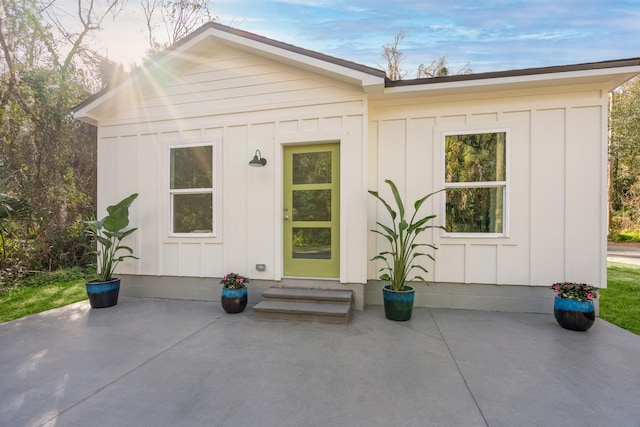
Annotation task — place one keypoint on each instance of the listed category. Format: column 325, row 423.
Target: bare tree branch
column 393, row 57
column 176, row 19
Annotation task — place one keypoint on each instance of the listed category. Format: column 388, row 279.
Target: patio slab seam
column 453, row 358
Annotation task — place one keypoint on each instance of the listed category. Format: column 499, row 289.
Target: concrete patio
column 152, row 362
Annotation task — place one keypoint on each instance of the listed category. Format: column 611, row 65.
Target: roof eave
column 611, row 73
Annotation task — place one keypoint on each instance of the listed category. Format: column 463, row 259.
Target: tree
column 439, row 68
column 394, row 57
column 624, row 157
column 47, row 158
column 176, row 18
column 11, row 209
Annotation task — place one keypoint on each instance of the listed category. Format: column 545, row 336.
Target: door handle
column 286, row 217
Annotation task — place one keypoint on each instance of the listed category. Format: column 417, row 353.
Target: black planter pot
column 103, row 294
column 574, row 315
column 398, row 305
column 234, row 300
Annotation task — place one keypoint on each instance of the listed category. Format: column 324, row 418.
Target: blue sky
column 489, row 35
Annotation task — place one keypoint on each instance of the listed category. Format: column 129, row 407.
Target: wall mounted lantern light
column 258, row 160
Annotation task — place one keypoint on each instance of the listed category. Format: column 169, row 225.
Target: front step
column 311, row 305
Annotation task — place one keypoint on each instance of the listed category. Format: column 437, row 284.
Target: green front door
column 311, row 211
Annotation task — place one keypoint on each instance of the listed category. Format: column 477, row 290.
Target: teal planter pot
column 574, row 315
column 234, row 300
column 398, row 305
column 103, row 294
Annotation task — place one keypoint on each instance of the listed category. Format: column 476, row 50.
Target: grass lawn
column 27, row 300
column 620, row 302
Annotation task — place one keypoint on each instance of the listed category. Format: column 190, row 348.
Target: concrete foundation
column 507, row 298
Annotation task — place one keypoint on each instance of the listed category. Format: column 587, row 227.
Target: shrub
column 48, row 278
column 626, row 236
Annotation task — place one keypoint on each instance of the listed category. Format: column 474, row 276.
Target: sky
column 489, row 35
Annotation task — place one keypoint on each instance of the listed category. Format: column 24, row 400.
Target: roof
column 281, row 45
column 603, row 65
column 606, row 75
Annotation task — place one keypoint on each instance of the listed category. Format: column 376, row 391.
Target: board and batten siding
column 240, row 103
column 556, row 212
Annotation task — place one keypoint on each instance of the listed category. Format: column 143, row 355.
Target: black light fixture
column 258, row 160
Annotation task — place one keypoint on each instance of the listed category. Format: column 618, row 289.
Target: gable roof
column 372, row 80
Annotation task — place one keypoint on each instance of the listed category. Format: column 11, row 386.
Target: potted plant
column 234, row 293
column 108, row 234
column 401, row 259
column 573, row 305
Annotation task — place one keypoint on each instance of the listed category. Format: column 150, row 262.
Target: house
column 522, row 156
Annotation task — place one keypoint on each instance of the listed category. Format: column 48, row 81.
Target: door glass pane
column 192, row 213
column 312, row 168
column 312, row 243
column 312, row 205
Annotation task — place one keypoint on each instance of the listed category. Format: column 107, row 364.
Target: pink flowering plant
column 575, row 291
column 234, row 281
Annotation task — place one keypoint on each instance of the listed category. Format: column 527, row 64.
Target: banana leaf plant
column 108, row 234
column 402, row 257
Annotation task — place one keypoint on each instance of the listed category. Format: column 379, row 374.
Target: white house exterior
column 221, row 94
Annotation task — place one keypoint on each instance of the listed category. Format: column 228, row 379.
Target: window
column 475, row 183
column 191, row 190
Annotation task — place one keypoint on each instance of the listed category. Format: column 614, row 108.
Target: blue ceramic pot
column 574, row 315
column 103, row 294
column 234, row 300
column 398, row 305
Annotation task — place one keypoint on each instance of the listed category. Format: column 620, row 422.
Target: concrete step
column 309, row 295
column 311, row 305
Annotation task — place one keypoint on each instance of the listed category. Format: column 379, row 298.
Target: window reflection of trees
column 312, row 168
column 313, row 243
column 191, row 167
column 475, row 158
column 312, row 205
column 191, row 171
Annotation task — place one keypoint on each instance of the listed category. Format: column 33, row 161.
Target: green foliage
column 108, row 233
column 49, row 278
column 46, row 158
column 403, row 255
column 620, row 302
column 625, row 236
column 12, row 210
column 624, row 157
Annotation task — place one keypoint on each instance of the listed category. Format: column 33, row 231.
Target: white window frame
column 211, row 190
column 483, row 184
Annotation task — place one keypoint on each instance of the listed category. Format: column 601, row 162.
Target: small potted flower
column 234, row 293
column 573, row 306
